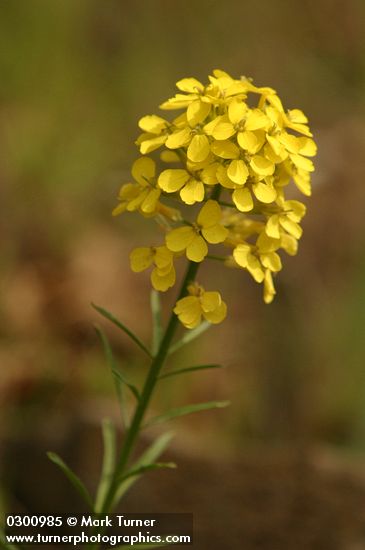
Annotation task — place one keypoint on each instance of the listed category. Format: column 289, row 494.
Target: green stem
column 148, row 388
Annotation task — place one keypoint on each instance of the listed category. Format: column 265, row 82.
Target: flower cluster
column 234, row 150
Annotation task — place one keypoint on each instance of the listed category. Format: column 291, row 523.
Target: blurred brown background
column 76, row 77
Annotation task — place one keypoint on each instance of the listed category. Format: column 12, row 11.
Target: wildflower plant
column 218, row 179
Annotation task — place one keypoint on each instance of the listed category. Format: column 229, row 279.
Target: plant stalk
column 148, row 388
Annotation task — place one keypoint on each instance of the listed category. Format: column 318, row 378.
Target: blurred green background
column 75, row 78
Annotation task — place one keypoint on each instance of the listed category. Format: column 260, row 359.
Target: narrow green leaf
column 189, row 336
column 119, row 386
column 120, row 376
column 150, row 455
column 188, row 369
column 122, row 327
column 73, row 478
column 188, row 409
column 107, row 470
column 147, row 467
column 156, row 320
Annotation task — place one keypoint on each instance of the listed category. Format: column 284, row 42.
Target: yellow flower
column 193, row 238
column 198, row 304
column 155, row 133
column 191, row 189
column 163, row 275
column 287, row 220
column 144, row 194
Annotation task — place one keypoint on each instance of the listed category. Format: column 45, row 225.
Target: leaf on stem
column 107, row 470
column 119, row 379
column 147, row 467
column 120, row 376
column 156, row 321
column 122, row 327
column 188, row 369
column 150, row 455
column 72, row 477
column 188, row 409
column 189, row 336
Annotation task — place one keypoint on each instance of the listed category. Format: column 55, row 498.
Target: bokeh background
column 75, row 79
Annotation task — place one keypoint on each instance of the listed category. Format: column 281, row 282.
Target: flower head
column 234, row 149
column 198, row 304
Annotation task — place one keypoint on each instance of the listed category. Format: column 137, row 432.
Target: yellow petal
column 291, row 227
column 241, row 253
column 188, row 310
column 302, row 181
column 296, row 115
column 197, row 112
column 197, row 249
column 169, row 156
column 190, row 85
column 256, row 120
column 243, row 199
column 198, row 149
column 136, row 202
column 223, row 178
column 163, row 282
column 153, row 124
column 177, row 139
column 129, row 191
column 268, row 244
column 209, row 128
column 192, row 192
column 269, row 289
column 302, row 162
column 173, row 179
column 223, row 130
column 300, row 128
column 275, row 102
column 289, row 244
column 141, row 258
column 295, row 210
column 150, row 202
column 218, row 315
column 210, row 301
column 209, row 174
column 236, row 88
column 236, row 111
column 143, row 169
column 290, row 142
column 271, row 260
column 262, row 166
column 238, row 172
column 180, row 121
column 119, row 209
column 307, row 147
column 163, row 257
column 179, row 101
column 178, row 239
column 254, row 267
column 264, row 193
column 272, row 228
column 210, row 214
column 250, row 141
column 225, row 149
column 215, row 234
column 149, row 145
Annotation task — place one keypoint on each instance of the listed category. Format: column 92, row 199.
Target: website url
column 112, row 540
